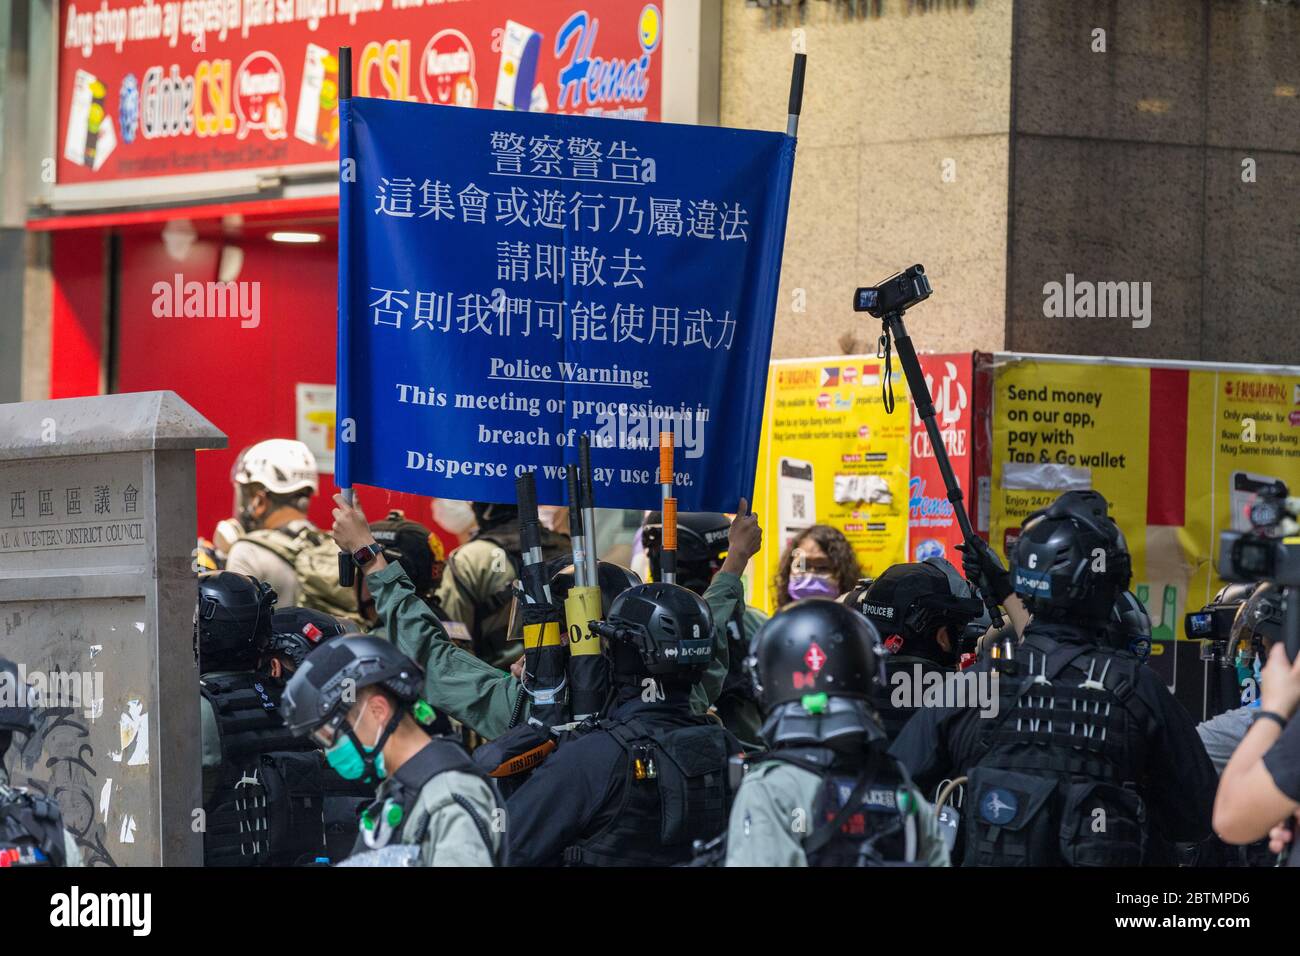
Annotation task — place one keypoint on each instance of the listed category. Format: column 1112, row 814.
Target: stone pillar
column 97, row 520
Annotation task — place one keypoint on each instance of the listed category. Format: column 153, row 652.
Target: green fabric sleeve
column 455, row 681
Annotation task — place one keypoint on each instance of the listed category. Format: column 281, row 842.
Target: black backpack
column 675, row 793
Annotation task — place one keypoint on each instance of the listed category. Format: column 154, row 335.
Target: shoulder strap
column 281, row 542
column 819, row 838
column 813, row 759
column 440, row 756
column 824, row 834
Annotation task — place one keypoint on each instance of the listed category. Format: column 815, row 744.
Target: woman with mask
column 819, row 563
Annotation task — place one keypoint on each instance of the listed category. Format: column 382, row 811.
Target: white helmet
column 280, row 465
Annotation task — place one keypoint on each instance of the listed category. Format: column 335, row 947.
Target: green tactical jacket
column 483, row 697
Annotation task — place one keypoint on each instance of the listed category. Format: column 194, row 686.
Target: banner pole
column 347, row 567
column 796, row 94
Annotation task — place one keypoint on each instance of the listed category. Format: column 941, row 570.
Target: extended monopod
column 887, row 302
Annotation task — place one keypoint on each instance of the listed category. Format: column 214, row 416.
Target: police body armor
column 491, row 630
column 864, row 816
column 382, row 820
column 31, row 830
column 676, row 776
column 1057, row 781
column 893, row 717
column 277, row 803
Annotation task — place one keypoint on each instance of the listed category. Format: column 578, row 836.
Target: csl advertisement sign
column 152, row 88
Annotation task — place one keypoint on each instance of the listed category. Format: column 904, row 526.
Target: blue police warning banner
column 509, row 281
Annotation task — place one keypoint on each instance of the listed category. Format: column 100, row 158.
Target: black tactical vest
column 491, row 628
column 1057, row 782
column 673, row 793
column 31, row 830
column 865, row 814
column 893, row 717
column 277, row 803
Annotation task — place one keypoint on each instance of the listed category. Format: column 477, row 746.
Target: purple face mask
column 812, row 585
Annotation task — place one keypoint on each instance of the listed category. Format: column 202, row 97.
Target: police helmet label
column 1033, row 582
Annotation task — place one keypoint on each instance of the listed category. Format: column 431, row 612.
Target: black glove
column 984, row 569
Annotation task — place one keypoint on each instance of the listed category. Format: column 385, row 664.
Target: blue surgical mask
column 812, row 585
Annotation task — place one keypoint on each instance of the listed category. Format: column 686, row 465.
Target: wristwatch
column 363, row 556
column 1270, row 715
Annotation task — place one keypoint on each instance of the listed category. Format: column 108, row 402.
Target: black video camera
column 1262, row 554
column 895, row 295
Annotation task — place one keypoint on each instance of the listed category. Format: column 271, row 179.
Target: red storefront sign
column 932, row 525
column 160, row 88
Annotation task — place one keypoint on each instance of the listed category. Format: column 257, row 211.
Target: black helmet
column 232, row 620
column 815, row 664
column 489, row 515
column 613, row 578
column 815, row 646
column 413, row 546
column 908, row 603
column 1070, row 561
column 325, row 687
column 1130, row 626
column 295, row 631
column 17, row 701
column 701, row 546
column 661, row 630
column 1260, row 617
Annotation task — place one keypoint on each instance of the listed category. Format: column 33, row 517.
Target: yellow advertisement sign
column 830, row 454
column 1179, row 453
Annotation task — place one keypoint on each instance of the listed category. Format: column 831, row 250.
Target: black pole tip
column 345, row 72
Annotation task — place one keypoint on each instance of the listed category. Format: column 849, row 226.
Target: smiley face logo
column 447, row 70
column 649, row 28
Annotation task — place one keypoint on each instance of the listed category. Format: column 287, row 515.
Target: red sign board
column 170, row 87
column 932, row 526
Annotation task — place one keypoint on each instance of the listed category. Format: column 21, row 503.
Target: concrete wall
column 888, row 100
column 1127, row 166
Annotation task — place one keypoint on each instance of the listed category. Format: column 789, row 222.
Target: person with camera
column 1260, row 785
column 1082, row 732
column 1252, row 615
